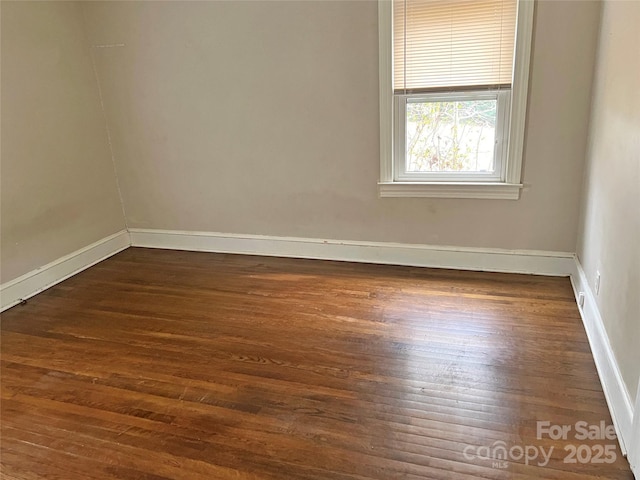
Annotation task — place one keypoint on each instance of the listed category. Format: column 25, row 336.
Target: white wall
column 58, row 185
column 609, row 238
column 262, row 118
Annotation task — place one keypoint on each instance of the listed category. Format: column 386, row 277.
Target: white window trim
column 507, row 189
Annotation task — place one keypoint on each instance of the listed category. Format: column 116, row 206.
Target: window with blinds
column 453, row 96
column 453, row 45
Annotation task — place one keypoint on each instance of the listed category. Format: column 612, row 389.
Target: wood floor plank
column 181, row 365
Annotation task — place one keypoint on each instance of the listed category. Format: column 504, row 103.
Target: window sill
column 500, row 191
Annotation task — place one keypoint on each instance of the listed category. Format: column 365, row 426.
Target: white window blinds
column 445, row 45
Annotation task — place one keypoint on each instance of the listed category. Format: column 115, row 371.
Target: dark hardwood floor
column 180, row 365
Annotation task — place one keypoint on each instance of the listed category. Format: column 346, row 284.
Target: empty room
column 320, row 239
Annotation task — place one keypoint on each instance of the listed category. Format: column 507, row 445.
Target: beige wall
column 609, row 239
column 262, row 117
column 58, row 186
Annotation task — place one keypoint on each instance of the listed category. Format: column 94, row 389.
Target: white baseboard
column 34, row 282
column 634, row 446
column 615, row 390
column 493, row 260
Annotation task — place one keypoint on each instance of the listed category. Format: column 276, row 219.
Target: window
column 453, row 89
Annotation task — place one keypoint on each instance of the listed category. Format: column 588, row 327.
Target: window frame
column 508, row 185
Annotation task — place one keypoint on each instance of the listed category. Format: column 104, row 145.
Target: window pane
column 454, row 136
